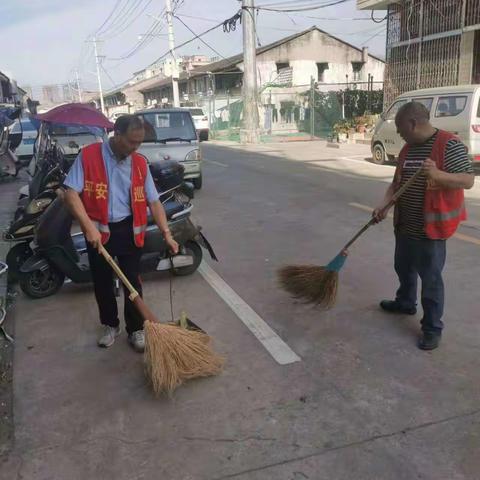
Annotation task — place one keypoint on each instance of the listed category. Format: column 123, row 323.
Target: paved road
column 361, row 403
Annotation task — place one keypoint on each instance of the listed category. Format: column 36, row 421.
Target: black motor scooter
column 58, row 255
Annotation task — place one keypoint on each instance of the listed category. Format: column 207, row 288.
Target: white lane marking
column 215, row 163
column 457, row 235
column 277, row 348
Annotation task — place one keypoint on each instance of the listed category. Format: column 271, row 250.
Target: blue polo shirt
column 119, row 174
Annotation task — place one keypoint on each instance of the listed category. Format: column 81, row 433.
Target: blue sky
column 46, row 38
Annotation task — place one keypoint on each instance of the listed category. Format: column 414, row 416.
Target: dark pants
column 120, row 245
column 424, row 258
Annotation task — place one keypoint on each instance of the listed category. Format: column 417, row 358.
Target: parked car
column 455, row 109
column 201, row 122
column 29, row 133
column 170, row 135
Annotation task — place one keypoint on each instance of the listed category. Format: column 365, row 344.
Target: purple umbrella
column 75, row 114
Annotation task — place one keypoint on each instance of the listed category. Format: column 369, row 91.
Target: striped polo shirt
column 410, row 205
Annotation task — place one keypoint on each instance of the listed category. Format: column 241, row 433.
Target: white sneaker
column 108, row 335
column 137, row 340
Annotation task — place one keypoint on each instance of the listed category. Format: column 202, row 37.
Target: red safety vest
column 95, row 192
column 444, row 208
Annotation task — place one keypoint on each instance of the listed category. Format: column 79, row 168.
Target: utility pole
column 312, row 108
column 250, row 100
column 97, row 62
column 171, row 45
column 79, row 90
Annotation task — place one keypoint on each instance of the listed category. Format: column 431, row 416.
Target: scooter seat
column 171, row 208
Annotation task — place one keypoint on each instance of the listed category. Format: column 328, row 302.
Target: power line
column 127, row 20
column 286, row 29
column 191, row 40
column 148, row 38
column 301, row 9
column 119, row 11
column 117, row 3
column 201, row 39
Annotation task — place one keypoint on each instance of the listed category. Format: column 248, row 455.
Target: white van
column 455, row 109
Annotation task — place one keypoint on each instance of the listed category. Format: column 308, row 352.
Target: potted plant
column 361, row 124
column 341, row 129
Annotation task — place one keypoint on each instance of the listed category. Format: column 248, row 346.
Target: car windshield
column 196, row 111
column 168, row 126
column 67, row 130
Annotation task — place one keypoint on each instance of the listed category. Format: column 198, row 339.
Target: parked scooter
column 58, row 255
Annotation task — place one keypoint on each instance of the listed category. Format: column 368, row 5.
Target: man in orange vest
column 109, row 188
column 426, row 215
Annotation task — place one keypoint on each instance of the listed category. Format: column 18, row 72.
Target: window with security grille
column 321, row 67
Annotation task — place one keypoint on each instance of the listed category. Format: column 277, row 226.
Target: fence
column 311, row 111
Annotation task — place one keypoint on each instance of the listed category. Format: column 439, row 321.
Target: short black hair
column 127, row 122
column 414, row 111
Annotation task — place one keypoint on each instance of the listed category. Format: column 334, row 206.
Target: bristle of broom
column 311, row 283
column 174, row 355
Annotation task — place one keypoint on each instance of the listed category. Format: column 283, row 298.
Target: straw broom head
column 174, row 355
column 314, row 284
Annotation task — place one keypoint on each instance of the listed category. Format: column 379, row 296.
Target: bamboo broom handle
column 395, row 197
column 118, row 271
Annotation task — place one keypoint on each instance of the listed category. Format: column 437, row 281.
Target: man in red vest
column 426, row 215
column 109, row 189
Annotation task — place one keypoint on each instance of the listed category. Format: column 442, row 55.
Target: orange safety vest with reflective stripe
column 444, row 208
column 95, row 192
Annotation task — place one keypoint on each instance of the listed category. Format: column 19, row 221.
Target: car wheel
column 195, row 250
column 41, row 284
column 197, row 182
column 378, row 154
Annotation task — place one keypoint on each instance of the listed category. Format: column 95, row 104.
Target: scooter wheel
column 41, row 284
column 195, row 250
column 16, row 257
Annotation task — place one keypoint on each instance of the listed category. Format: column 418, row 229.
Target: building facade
column 430, row 43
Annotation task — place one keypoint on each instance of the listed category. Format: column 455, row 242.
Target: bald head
column 413, row 123
column 413, row 111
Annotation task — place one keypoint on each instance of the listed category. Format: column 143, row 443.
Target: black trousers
column 122, row 246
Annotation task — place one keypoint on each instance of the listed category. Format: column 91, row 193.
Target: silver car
column 170, row 135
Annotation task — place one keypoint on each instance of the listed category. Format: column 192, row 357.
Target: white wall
column 306, row 51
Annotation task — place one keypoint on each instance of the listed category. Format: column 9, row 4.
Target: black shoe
column 394, row 307
column 429, row 341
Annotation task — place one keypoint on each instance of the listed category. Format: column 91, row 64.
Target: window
column 357, row 71
column 392, row 111
column 282, row 65
column 426, row 102
column 450, row 106
column 321, row 67
column 161, row 126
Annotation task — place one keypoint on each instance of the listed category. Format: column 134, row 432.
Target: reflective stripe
column 101, row 227
column 139, row 229
column 444, row 216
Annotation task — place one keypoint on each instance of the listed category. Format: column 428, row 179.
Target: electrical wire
column 127, row 21
column 298, row 9
column 148, row 38
column 168, row 52
column 201, row 39
column 120, row 12
column 117, row 3
column 378, row 21
column 382, row 30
